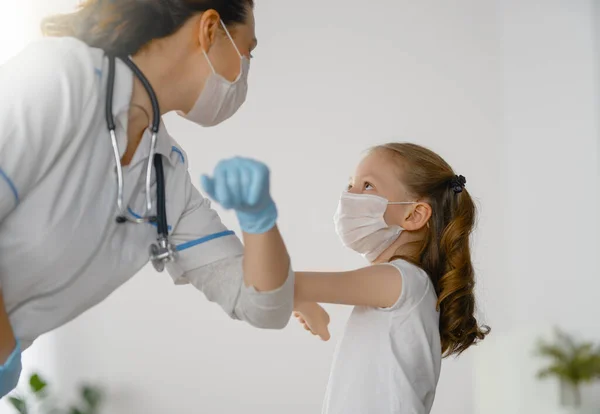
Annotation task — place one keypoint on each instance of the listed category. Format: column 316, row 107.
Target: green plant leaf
column 571, row 361
column 75, row 410
column 19, row 404
column 553, row 370
column 92, row 396
column 37, row 384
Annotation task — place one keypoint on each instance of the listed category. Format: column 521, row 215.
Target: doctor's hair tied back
column 457, row 183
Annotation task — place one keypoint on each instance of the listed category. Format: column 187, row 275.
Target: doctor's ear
column 418, row 218
column 209, row 24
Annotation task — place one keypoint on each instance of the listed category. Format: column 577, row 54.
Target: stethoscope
column 162, row 251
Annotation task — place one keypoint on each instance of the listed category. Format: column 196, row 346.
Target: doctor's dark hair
column 445, row 252
column 123, row 27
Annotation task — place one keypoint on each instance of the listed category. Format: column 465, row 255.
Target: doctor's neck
column 163, row 62
column 140, row 108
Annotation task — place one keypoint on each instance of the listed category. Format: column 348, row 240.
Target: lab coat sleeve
column 222, row 282
column 44, row 93
column 212, row 262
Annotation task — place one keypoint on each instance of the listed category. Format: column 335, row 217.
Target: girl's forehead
column 385, row 172
column 379, row 165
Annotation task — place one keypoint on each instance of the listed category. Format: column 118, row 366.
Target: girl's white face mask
column 220, row 98
column 360, row 224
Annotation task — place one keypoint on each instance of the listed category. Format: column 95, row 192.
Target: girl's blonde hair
column 444, row 253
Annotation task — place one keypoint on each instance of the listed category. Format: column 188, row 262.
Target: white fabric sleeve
column 415, row 284
column 44, row 91
column 223, row 282
column 210, row 258
column 200, row 235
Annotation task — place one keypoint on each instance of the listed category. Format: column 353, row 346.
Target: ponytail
column 123, row 27
column 455, row 288
column 445, row 252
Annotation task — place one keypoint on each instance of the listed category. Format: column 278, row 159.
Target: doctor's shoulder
column 53, row 61
column 50, row 84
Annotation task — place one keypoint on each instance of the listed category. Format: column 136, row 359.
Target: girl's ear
column 417, row 217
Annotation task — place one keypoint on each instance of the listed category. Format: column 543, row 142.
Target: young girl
column 409, row 214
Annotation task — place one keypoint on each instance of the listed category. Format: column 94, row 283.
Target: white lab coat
column 61, row 250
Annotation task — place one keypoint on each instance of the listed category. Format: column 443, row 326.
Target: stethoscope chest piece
column 161, row 253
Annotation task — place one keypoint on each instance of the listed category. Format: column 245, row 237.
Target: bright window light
column 20, row 22
column 15, row 28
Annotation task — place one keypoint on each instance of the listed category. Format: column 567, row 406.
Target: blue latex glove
column 243, row 185
column 10, row 371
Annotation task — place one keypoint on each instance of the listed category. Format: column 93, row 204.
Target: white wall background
column 551, row 134
column 507, row 91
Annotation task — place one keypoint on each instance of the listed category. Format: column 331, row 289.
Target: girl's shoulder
column 410, row 269
column 416, row 285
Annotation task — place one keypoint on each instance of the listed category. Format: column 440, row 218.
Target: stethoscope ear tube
column 110, row 88
column 148, row 87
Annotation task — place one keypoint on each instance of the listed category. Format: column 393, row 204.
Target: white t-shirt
column 61, row 250
column 388, row 361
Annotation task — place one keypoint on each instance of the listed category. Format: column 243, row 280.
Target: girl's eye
column 369, row 186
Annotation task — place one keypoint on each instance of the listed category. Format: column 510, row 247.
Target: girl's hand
column 313, row 318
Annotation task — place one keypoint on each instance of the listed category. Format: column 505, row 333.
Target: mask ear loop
column 232, row 42
column 231, row 38
column 209, row 62
column 397, row 203
column 402, row 203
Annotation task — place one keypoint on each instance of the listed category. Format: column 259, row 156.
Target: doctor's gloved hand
column 243, row 185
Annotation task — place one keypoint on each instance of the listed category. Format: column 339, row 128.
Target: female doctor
column 92, row 187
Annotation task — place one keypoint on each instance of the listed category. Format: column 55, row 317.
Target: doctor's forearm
column 266, row 260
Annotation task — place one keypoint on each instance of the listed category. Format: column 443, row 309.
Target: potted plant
column 572, row 363
column 39, row 401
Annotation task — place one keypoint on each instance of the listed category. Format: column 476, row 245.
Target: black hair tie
column 457, row 183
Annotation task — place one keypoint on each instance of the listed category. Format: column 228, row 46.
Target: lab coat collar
column 163, row 146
